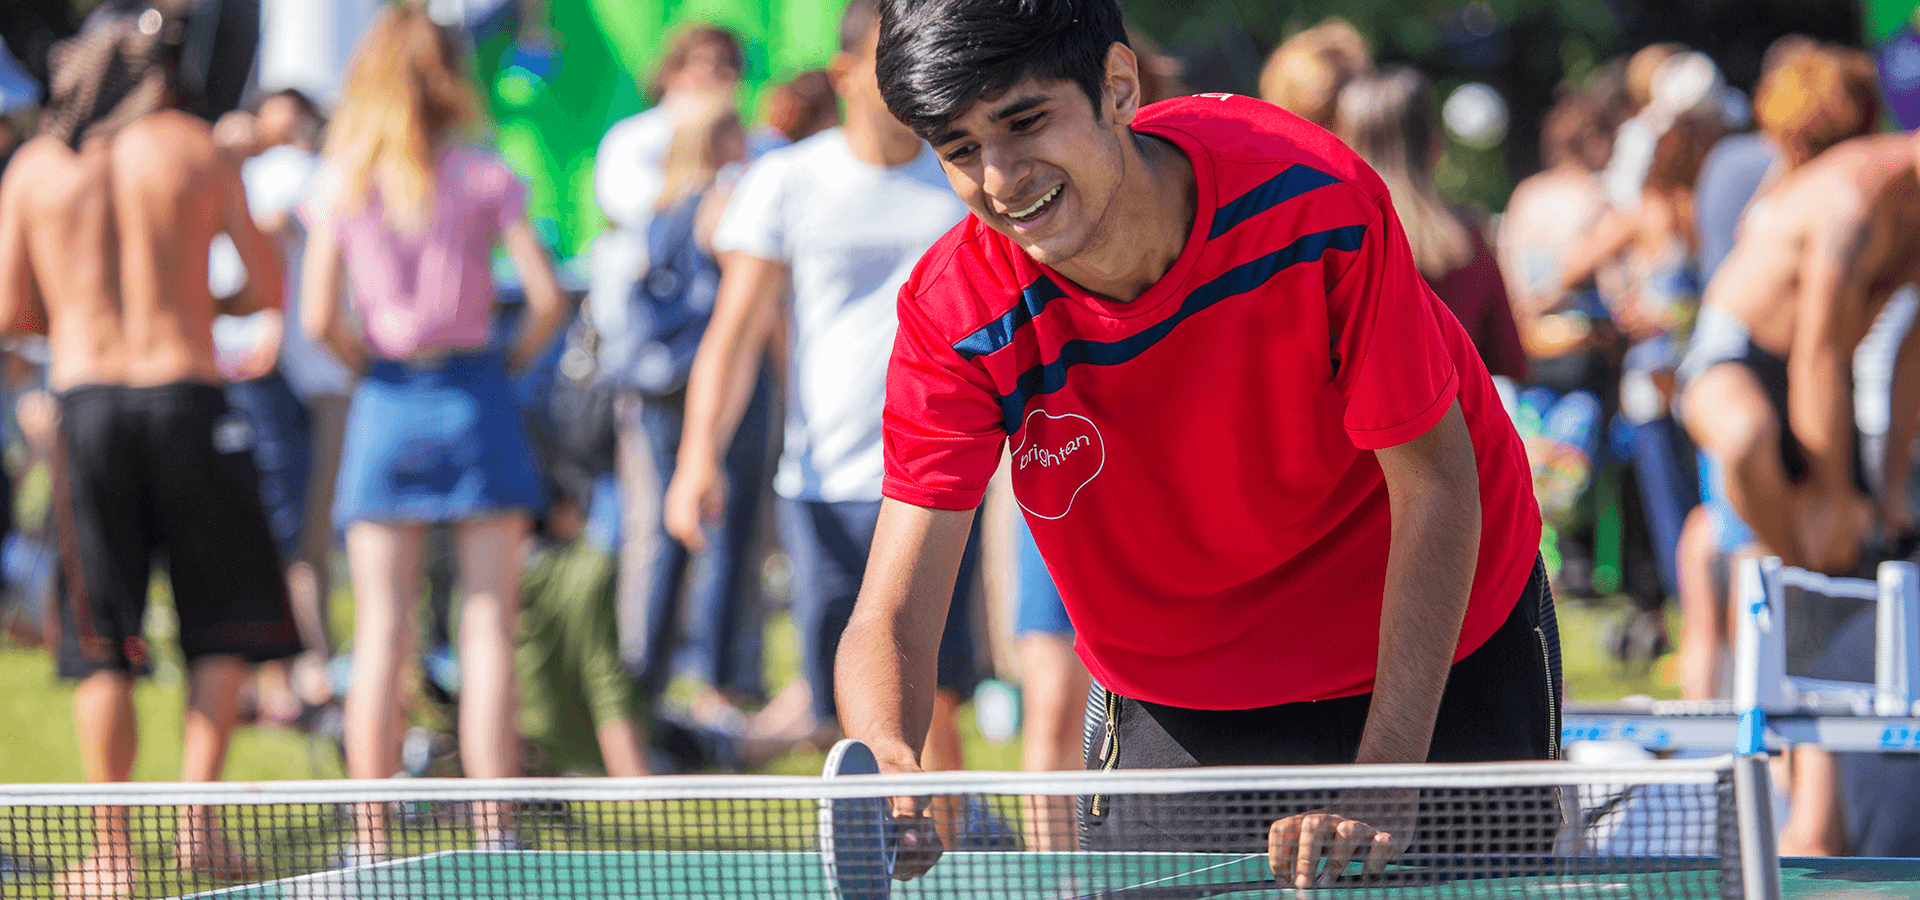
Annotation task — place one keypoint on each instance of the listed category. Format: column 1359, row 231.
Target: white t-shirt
column 850, row 233
column 627, row 167
column 277, row 181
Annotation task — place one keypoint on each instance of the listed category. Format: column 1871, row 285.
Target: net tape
column 1657, row 829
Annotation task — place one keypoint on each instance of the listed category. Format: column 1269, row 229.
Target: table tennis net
column 1652, row 830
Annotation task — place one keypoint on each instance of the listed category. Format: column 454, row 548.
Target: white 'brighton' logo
column 1058, row 456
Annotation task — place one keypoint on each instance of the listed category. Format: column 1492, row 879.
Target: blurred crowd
column 569, row 497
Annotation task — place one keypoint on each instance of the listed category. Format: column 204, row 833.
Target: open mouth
column 1038, row 208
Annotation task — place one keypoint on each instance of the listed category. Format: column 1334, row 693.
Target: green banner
column 1884, row 17
column 550, row 122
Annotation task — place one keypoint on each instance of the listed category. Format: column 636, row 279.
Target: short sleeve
column 754, row 222
column 627, row 164
column 942, row 427
column 1393, row 365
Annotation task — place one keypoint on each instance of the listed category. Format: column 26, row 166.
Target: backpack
column 668, row 306
column 580, row 405
column 648, row 346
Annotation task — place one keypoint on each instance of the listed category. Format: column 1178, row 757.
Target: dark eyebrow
column 1015, row 108
column 946, row 137
column 1024, row 104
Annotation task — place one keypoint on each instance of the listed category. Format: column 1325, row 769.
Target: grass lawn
column 37, row 742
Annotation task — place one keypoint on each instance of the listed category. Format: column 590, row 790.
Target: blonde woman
column 648, row 341
column 412, row 212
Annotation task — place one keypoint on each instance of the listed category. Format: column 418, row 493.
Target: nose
column 1005, row 173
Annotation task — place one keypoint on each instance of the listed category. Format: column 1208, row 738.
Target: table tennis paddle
column 857, row 841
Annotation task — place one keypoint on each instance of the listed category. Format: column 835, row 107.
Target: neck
column 1146, row 226
column 877, row 140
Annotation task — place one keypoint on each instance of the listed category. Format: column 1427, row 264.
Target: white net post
column 1759, row 651
column 1753, row 804
column 1896, row 637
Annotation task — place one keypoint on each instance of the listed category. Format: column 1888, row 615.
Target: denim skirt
column 435, row 441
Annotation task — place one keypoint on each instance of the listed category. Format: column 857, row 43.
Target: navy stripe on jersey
column 1049, row 377
column 994, row 336
column 997, row 334
column 1297, row 179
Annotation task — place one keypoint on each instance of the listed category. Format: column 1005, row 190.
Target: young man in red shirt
column 1288, row 515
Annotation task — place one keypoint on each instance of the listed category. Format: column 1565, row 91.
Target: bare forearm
column 721, row 380
column 546, row 306
column 1607, row 239
column 1430, row 566
column 882, row 701
column 1820, row 413
column 546, row 309
column 884, row 674
column 246, row 301
column 742, row 378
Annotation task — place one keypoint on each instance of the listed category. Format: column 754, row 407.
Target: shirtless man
column 1768, row 379
column 105, row 221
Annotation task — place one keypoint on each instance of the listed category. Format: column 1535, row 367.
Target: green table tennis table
column 683, row 875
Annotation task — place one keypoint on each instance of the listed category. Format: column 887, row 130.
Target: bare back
column 116, row 239
column 1849, row 212
column 1547, row 217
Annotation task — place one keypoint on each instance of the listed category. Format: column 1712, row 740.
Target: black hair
column 937, row 57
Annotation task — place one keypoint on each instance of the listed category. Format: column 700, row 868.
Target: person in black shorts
column 105, row 221
column 1766, row 388
column 144, row 471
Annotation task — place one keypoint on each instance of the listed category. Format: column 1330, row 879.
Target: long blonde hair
column 406, row 91
column 706, row 139
column 1388, row 118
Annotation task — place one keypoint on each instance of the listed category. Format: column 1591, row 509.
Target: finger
column 1379, row 852
column 1315, row 831
column 1349, row 836
column 1282, row 839
column 904, row 808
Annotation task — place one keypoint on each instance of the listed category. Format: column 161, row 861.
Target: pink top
column 434, row 290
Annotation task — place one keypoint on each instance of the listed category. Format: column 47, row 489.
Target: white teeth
column 1037, row 204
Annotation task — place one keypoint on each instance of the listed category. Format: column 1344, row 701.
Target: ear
column 1122, row 93
column 837, row 70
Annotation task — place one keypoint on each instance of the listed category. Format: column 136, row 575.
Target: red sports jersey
column 1196, row 464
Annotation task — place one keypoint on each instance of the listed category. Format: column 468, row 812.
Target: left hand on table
column 1371, row 827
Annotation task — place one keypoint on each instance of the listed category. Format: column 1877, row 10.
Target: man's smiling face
column 1040, row 164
